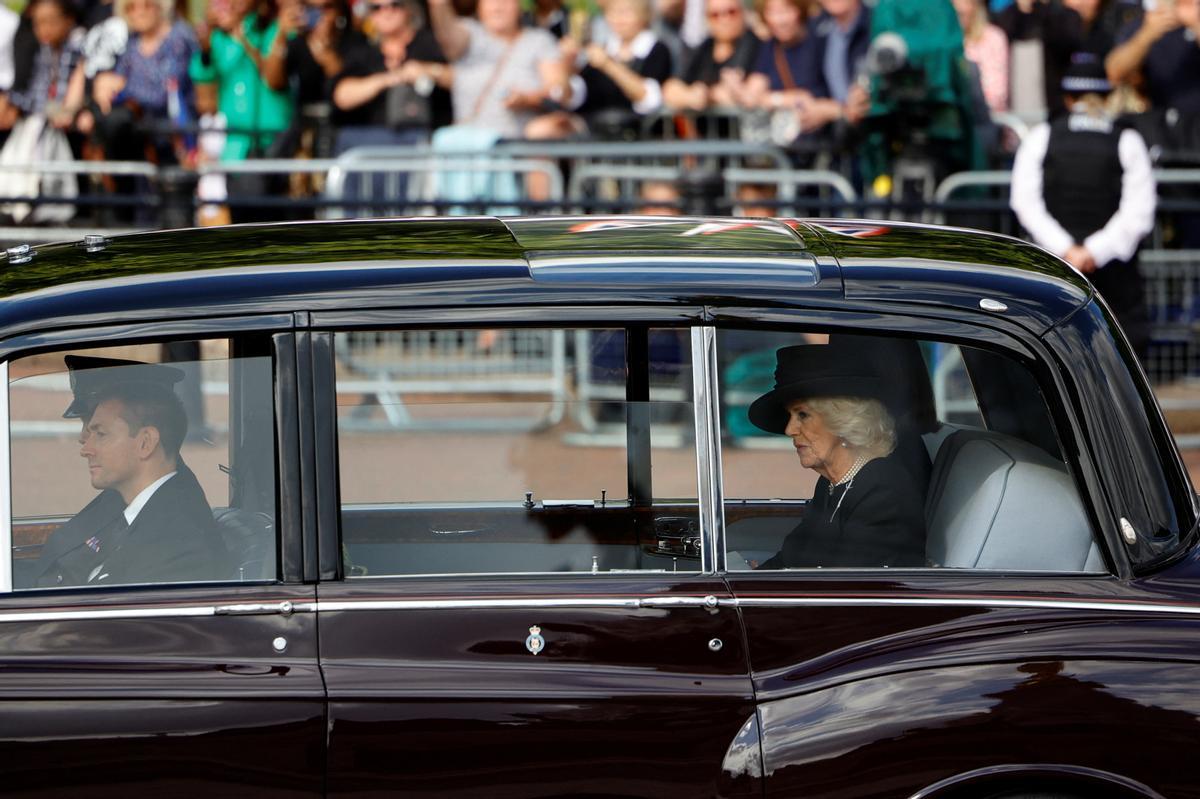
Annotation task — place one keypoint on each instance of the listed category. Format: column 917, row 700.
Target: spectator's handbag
column 34, row 140
column 780, row 126
column 407, row 108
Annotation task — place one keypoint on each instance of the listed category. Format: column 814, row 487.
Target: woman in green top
column 236, row 46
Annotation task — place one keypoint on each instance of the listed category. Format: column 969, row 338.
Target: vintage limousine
column 489, row 509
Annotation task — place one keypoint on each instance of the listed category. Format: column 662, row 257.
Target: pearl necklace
column 848, row 477
column 847, row 481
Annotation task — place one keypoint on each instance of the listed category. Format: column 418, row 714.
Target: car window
column 516, row 450
column 150, row 463
column 875, row 451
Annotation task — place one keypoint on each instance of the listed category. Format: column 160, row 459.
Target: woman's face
column 143, row 16
column 783, row 20
column 499, row 16
column 726, row 22
column 625, row 18
column 389, row 16
column 816, row 445
column 50, row 25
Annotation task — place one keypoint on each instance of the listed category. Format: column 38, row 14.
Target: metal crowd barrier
column 792, row 183
column 687, row 153
column 1172, row 282
column 1002, row 179
column 716, row 124
column 399, row 180
column 600, row 377
column 600, row 187
column 389, row 366
column 68, row 200
column 593, row 186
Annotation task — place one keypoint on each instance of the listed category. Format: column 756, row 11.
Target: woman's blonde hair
column 167, row 6
column 864, row 424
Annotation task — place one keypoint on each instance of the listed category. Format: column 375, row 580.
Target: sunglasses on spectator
column 384, row 6
column 717, row 13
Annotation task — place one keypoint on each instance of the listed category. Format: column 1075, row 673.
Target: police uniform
column 1084, row 180
column 172, row 538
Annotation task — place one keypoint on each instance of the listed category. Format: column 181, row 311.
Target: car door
column 524, row 605
column 1015, row 661
column 209, row 687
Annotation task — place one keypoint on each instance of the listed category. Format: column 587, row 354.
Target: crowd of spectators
column 159, row 81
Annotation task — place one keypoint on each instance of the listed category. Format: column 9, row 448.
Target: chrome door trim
column 708, row 602
column 966, row 602
column 523, row 603
column 177, row 612
column 5, row 487
column 708, row 449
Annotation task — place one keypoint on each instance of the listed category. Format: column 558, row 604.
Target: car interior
column 991, row 471
column 230, row 447
column 999, row 495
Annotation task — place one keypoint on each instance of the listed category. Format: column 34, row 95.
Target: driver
column 151, row 521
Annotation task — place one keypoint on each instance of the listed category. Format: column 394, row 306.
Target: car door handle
column 283, row 608
column 708, row 603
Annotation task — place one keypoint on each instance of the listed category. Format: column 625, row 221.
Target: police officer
column 1082, row 187
column 150, row 522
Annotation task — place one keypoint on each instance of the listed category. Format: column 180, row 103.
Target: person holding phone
column 1161, row 53
column 321, row 36
column 240, row 43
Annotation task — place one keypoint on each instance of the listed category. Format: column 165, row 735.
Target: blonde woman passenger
column 867, row 509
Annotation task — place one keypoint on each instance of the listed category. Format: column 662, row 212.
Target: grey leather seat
column 996, row 502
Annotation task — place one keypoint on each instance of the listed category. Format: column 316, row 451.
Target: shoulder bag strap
column 491, row 83
column 782, row 67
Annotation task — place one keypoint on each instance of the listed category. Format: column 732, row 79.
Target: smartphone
column 312, row 16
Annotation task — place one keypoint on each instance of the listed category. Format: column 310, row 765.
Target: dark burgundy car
column 490, row 517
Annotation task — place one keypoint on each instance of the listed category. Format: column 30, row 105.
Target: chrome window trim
column 628, row 602
column 624, row 574
column 633, row 602
column 6, row 541
column 708, row 449
column 966, row 602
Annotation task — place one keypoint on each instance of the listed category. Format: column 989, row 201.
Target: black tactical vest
column 1081, row 186
column 1081, row 176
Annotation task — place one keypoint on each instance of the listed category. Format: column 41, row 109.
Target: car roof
column 593, row 259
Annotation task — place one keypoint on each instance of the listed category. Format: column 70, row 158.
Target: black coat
column 880, row 522
column 173, row 539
